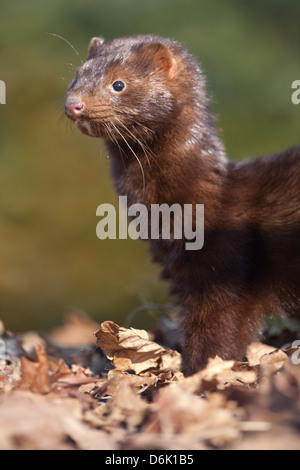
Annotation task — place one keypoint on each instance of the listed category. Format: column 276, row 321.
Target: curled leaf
column 132, row 349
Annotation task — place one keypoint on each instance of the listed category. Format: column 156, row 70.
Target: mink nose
column 74, row 107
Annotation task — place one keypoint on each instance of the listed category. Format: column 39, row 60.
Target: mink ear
column 162, row 57
column 94, row 46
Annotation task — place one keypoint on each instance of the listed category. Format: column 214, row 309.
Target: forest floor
column 87, row 387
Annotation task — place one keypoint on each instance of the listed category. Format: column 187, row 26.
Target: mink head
column 130, row 86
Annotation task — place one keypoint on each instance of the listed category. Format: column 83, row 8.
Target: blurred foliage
column 52, row 178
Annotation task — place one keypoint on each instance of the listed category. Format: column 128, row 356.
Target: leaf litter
column 115, row 388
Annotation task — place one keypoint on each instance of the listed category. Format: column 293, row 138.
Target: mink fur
column 249, row 266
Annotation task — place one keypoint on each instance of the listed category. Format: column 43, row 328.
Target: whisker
column 61, row 117
column 140, row 124
column 72, row 66
column 137, row 140
column 150, row 153
column 68, row 123
column 71, row 127
column 133, row 152
column 64, row 79
column 92, row 117
column 154, row 156
column 60, row 110
column 115, row 141
column 68, row 42
column 123, row 113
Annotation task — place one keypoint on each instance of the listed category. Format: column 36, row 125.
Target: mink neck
column 182, row 163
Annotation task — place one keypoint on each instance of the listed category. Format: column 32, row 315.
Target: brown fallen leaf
column 126, row 407
column 280, row 388
column 218, row 375
column 33, row 422
column 132, row 349
column 256, row 350
column 116, row 377
column 35, row 375
column 74, row 378
column 273, row 361
column 149, row 405
column 50, row 374
column 177, row 411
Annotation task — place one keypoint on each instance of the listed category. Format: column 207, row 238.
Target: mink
column 146, row 97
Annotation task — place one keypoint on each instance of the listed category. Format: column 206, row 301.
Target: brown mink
column 146, row 96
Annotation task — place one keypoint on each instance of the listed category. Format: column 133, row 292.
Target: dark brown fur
column 250, row 263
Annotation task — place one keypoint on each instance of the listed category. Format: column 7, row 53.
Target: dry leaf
column 256, row 350
column 273, row 361
column 126, row 407
column 218, row 375
column 132, row 349
column 178, row 411
column 156, row 407
column 32, row 422
column 115, row 375
column 48, row 374
column 35, row 375
column 75, row 378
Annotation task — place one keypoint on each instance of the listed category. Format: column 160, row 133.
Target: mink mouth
column 90, row 128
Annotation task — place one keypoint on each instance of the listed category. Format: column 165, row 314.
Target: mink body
column 160, row 120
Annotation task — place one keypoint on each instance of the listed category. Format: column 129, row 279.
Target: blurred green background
column 52, row 178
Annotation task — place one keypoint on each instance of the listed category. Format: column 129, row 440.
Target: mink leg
column 214, row 330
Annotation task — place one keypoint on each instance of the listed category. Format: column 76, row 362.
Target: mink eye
column 118, row 85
